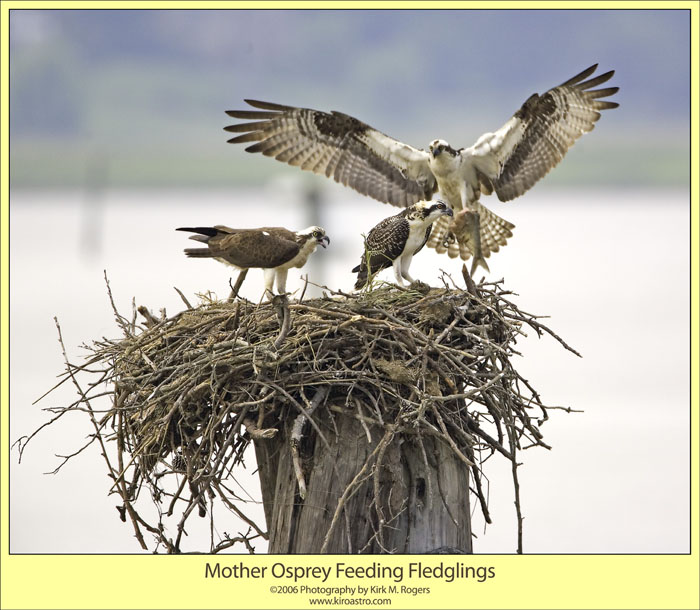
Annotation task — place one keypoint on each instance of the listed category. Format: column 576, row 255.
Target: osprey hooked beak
column 437, row 147
column 316, row 233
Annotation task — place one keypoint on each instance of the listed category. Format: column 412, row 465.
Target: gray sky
column 145, row 91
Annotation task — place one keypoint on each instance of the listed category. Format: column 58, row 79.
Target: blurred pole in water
column 316, row 265
column 91, row 230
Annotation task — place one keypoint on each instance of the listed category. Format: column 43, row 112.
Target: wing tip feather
column 246, row 137
column 253, row 148
column 268, row 105
column 580, row 76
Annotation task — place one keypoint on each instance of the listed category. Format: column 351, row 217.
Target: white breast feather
column 416, row 236
column 300, row 259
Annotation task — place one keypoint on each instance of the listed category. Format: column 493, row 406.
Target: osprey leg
column 281, row 281
column 405, row 264
column 269, row 275
column 397, row 271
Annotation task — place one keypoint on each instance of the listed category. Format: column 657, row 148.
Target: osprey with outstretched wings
column 508, row 161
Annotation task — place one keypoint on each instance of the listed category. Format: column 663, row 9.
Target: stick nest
column 187, row 393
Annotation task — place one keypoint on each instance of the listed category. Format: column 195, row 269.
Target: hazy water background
column 610, row 266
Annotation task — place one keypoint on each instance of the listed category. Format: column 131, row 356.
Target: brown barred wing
column 264, row 248
column 538, row 136
column 384, row 244
column 337, row 146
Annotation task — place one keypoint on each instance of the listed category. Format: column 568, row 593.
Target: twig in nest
column 237, row 286
column 256, row 432
column 303, row 290
column 296, row 462
column 151, row 320
column 295, row 438
column 471, row 286
column 281, row 304
column 183, row 297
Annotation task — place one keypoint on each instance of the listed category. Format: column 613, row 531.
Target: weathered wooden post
column 389, row 493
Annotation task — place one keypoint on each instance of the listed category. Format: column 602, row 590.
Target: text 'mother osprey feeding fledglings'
column 508, row 161
column 395, row 241
column 275, row 250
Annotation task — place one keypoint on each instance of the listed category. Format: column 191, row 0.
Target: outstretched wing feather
column 512, row 159
column 338, row 146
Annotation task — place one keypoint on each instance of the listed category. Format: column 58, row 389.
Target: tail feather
column 198, row 252
column 443, row 240
column 210, row 231
column 206, row 233
column 361, row 281
column 361, row 271
column 437, row 236
column 462, row 250
column 495, row 230
column 493, row 233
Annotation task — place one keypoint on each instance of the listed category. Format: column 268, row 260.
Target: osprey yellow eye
column 440, row 206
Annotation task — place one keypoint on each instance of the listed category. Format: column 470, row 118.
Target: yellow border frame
column 587, row 581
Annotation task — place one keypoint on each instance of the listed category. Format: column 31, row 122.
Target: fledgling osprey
column 275, row 250
column 508, row 161
column 395, row 240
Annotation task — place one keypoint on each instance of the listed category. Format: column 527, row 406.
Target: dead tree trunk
column 411, row 494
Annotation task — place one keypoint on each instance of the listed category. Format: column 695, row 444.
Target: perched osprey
column 508, row 161
column 395, row 240
column 273, row 249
